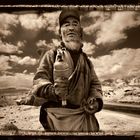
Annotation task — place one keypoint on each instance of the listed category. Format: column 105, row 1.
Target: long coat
column 83, row 84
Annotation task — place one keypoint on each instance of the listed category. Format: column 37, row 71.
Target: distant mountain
column 12, row 89
column 129, row 80
column 19, row 81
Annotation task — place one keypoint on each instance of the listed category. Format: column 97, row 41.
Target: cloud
column 56, row 42
column 18, row 80
column 21, row 43
column 119, row 64
column 42, row 44
column 31, row 21
column 36, row 22
column 4, row 63
column 10, row 48
column 51, row 20
column 25, row 71
column 88, row 48
column 27, row 61
column 111, row 27
column 9, row 62
column 15, row 59
column 95, row 22
column 7, row 21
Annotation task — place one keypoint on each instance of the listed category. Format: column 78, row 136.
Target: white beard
column 73, row 45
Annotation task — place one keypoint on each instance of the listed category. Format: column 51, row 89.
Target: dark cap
column 68, row 13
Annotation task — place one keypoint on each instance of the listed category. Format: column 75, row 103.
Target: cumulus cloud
column 27, row 61
column 56, row 42
column 35, row 22
column 42, row 44
column 8, row 62
column 88, row 48
column 18, row 80
column 120, row 63
column 25, row 71
column 21, row 44
column 14, row 58
column 95, row 22
column 10, row 48
column 113, row 30
column 51, row 20
column 111, row 26
column 31, row 21
column 4, row 63
column 7, row 21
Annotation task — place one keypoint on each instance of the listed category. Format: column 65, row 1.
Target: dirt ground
column 25, row 117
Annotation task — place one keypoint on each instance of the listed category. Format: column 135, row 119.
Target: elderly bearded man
column 75, row 95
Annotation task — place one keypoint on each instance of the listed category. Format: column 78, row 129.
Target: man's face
column 71, row 30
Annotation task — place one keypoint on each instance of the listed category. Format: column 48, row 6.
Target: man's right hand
column 61, row 88
column 26, row 101
column 21, row 102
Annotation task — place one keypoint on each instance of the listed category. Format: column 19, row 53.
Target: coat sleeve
column 43, row 79
column 95, row 87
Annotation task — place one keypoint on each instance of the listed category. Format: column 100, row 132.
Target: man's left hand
column 91, row 106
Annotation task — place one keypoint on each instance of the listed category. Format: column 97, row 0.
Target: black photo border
column 43, row 5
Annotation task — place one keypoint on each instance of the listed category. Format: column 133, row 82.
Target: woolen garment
column 83, row 83
column 71, row 120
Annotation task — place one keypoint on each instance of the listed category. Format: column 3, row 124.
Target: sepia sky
column 111, row 40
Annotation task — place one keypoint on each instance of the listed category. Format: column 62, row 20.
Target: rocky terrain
column 26, row 117
column 122, row 91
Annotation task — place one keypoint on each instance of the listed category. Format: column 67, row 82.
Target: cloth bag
column 65, row 119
